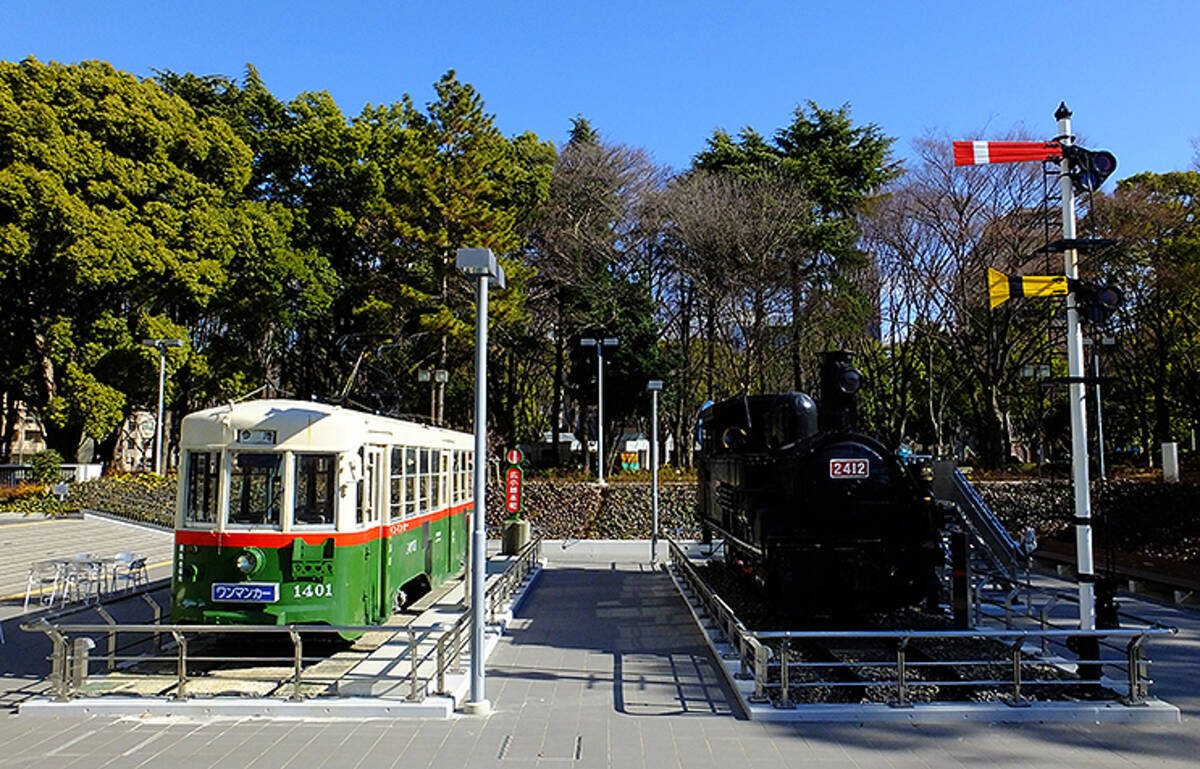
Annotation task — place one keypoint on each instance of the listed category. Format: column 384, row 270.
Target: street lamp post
column 654, row 385
column 161, row 345
column 481, row 264
column 599, row 344
column 437, row 378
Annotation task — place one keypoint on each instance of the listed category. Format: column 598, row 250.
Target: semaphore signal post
column 1087, row 169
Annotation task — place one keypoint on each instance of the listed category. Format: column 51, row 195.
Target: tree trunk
column 685, row 378
column 556, row 415
column 797, row 371
column 711, row 332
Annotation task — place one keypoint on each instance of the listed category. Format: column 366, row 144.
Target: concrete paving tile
column 624, row 750
column 526, row 744
column 98, row 747
column 759, row 748
column 727, row 750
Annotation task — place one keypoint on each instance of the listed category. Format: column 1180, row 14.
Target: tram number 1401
column 312, row 590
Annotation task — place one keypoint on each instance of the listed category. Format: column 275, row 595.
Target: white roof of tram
column 307, row 426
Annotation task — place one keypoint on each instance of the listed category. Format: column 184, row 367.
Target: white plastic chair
column 43, row 574
column 129, row 568
column 84, row 579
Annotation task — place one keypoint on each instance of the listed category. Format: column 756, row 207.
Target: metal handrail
column 452, row 643
column 69, row 661
column 69, row 664
column 1001, row 548
column 767, row 656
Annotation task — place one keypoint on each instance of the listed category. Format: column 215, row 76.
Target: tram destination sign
column 245, row 592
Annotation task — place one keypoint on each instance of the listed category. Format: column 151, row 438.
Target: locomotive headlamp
column 849, row 381
column 248, row 561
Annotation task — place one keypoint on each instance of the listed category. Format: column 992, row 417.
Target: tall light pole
column 481, row 264
column 161, row 345
column 599, row 344
column 654, row 385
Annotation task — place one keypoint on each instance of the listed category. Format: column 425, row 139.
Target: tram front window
column 313, row 504
column 255, row 489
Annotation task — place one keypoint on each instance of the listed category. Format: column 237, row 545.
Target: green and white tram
column 298, row 512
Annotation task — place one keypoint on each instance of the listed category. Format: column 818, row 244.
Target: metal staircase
column 1000, row 553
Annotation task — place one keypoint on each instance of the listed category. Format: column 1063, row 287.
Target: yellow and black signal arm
column 1003, row 287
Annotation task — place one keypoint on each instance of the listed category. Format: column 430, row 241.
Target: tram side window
column 439, row 472
column 410, row 482
column 203, row 472
column 313, row 500
column 255, row 489
column 396, row 485
column 455, row 490
column 427, row 477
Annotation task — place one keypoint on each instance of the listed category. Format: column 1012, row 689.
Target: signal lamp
column 1089, row 168
column 1096, row 303
column 849, row 381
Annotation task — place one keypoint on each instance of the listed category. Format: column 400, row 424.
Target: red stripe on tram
column 340, row 538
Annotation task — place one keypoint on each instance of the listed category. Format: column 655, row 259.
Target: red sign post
column 513, row 490
column 512, row 484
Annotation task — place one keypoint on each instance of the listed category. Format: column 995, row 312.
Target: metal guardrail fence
column 71, row 662
column 14, row 475
column 450, row 644
column 769, row 659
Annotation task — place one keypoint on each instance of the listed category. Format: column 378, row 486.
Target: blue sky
column 664, row 75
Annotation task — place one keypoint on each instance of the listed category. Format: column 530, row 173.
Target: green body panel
column 318, row 583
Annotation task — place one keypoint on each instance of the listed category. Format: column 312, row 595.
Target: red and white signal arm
column 981, row 153
column 514, row 456
column 849, row 468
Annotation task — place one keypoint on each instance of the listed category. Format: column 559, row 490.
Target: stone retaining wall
column 1156, row 519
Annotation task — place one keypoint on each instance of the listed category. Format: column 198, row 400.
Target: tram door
column 374, row 502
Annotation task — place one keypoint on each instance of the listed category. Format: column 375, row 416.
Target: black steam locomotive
column 826, row 519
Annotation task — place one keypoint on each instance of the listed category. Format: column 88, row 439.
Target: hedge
column 1151, row 518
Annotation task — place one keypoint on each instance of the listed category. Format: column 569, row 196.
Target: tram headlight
column 248, row 562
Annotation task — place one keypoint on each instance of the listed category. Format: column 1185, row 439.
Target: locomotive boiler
column 826, row 519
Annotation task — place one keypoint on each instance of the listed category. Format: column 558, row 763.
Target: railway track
column 865, row 670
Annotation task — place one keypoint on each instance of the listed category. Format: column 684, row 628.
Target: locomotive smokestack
column 840, row 382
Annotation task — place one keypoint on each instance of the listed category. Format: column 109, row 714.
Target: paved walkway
column 25, row 539
column 603, row 669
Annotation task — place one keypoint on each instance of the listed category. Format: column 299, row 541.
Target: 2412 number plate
column 849, row 468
